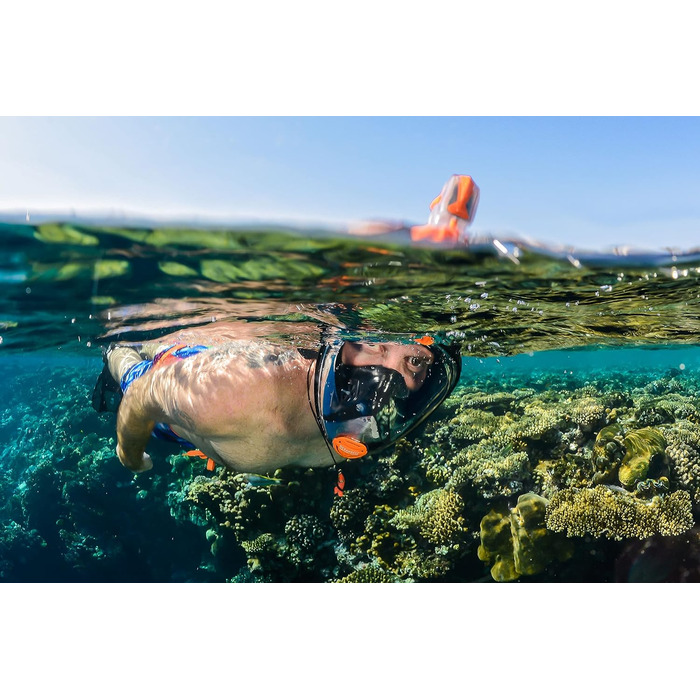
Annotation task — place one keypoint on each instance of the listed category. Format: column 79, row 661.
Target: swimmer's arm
column 139, row 411
column 184, row 395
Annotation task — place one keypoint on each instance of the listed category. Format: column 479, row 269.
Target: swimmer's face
column 411, row 361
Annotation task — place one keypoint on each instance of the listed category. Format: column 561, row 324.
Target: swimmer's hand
column 135, row 421
column 132, row 462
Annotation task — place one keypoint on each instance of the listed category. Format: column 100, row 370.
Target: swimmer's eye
column 416, row 361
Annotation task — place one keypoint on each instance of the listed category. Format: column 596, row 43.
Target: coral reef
column 644, row 449
column 306, row 535
column 490, row 467
column 367, row 574
column 515, row 541
column 608, row 451
column 348, row 514
column 613, row 513
column 513, row 472
column 72, row 512
column 436, row 516
column 587, row 413
column 684, row 452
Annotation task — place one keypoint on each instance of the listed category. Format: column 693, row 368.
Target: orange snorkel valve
column 451, row 212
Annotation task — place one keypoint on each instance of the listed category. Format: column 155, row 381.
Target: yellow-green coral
column 615, row 514
column 436, row 515
column 260, row 544
column 421, row 564
column 305, row 535
column 664, row 409
column 496, row 402
column 422, row 541
column 516, row 542
column 492, row 468
column 643, row 447
column 348, row 513
column 537, row 420
column 587, row 413
column 607, row 454
column 684, row 451
column 260, row 551
column 368, row 574
column 472, row 425
column 496, row 546
column 232, row 503
column 379, row 538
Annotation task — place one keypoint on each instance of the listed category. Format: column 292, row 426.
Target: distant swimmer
column 255, row 406
column 451, row 213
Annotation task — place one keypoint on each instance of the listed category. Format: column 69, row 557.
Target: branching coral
column 420, row 542
column 232, row 503
column 588, row 413
column 436, row 516
column 264, row 554
column 423, row 565
column 684, row 451
column 380, row 539
column 472, row 425
column 491, row 468
column 349, row 512
column 496, row 402
column 536, row 422
column 651, row 411
column 615, row 514
column 368, row 574
column 305, row 537
column 570, row 471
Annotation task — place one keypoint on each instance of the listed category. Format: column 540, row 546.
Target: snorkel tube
column 361, row 409
column 451, row 212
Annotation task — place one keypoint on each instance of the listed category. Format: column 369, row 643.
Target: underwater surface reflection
column 569, row 451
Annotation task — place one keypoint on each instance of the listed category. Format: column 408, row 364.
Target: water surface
column 576, row 369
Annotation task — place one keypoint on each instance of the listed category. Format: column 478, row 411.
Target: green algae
column 64, row 234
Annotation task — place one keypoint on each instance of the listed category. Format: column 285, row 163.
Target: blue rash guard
column 161, row 430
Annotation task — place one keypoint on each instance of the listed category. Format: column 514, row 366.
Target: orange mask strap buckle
column 339, row 489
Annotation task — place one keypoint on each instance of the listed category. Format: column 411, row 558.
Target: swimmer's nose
column 413, row 380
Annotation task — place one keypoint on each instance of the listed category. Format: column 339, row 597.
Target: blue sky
column 589, row 182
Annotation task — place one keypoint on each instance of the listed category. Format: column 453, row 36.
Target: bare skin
column 411, row 361
column 243, row 403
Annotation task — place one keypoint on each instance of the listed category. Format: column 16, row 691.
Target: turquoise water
column 577, row 372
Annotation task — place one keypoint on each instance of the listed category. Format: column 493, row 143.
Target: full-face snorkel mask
column 367, row 408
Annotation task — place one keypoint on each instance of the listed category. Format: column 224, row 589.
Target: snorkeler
column 254, row 406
